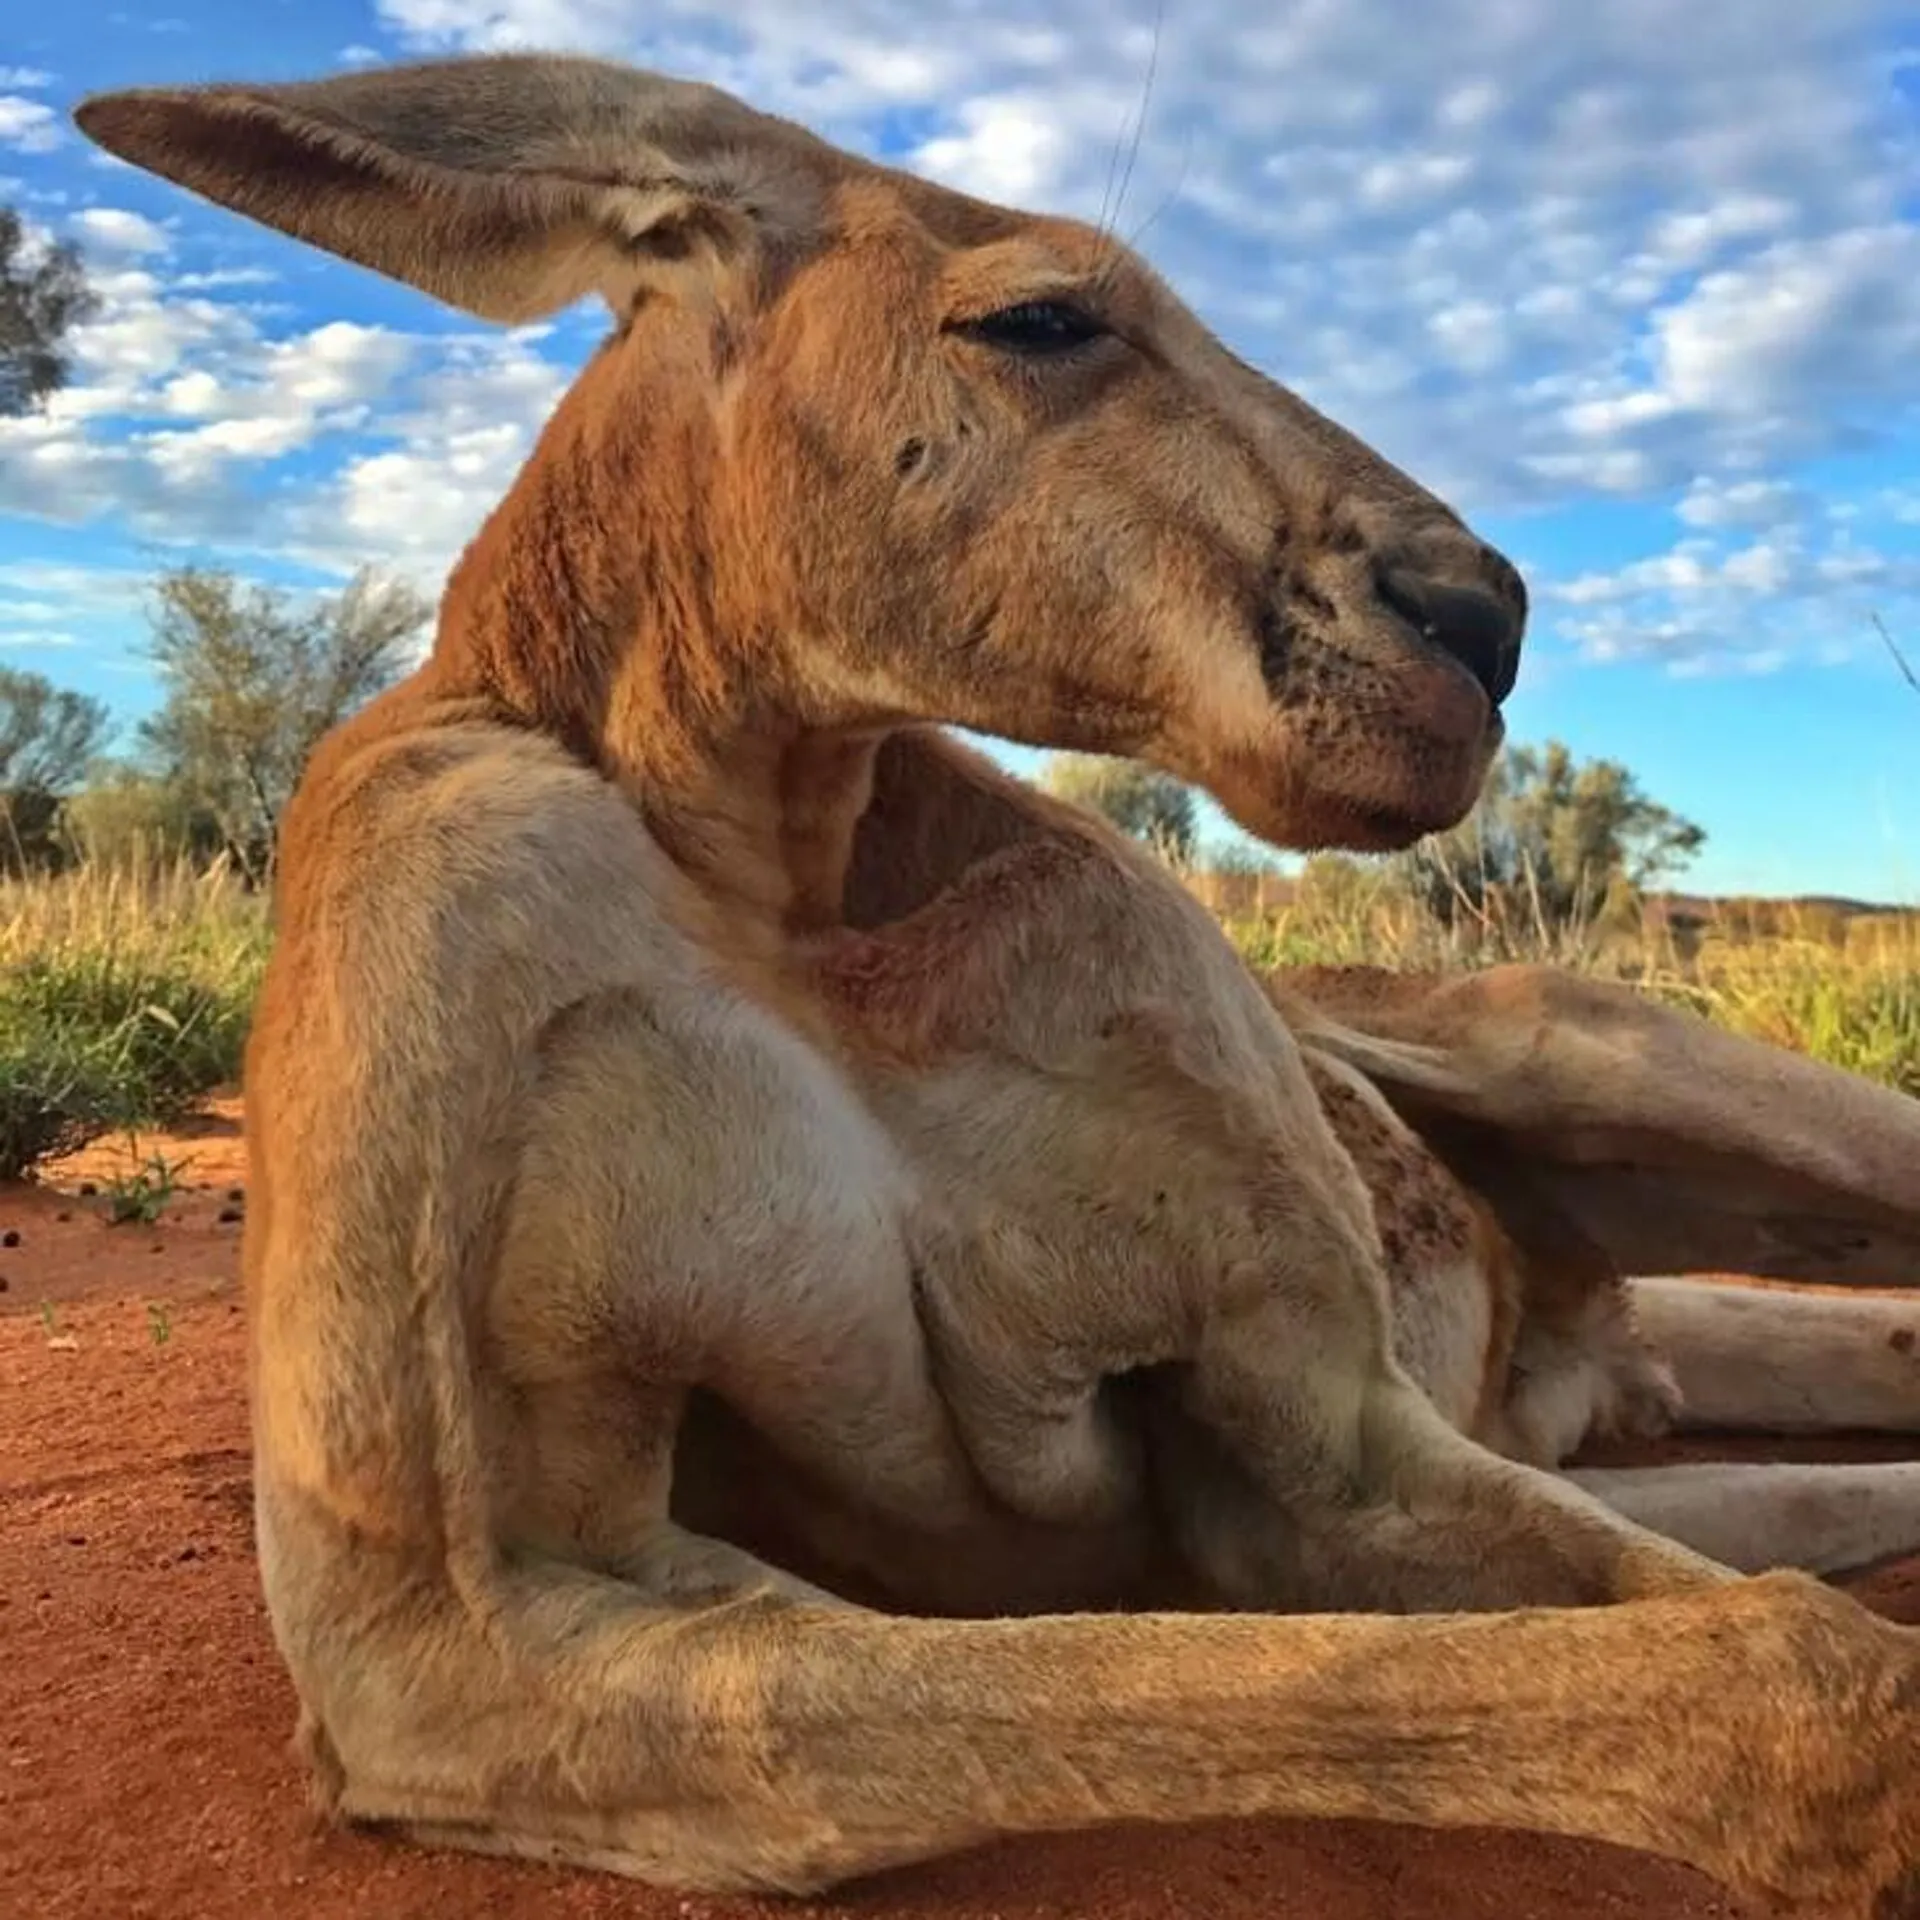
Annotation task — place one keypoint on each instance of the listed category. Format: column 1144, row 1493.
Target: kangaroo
column 567, row 1120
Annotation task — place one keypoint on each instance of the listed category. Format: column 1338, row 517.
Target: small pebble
column 11, row 1238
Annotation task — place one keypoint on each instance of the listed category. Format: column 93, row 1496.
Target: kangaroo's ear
column 1667, row 1142
column 508, row 186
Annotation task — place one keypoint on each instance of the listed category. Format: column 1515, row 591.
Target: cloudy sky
column 1636, row 284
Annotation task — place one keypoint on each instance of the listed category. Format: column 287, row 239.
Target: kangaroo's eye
column 1035, row 327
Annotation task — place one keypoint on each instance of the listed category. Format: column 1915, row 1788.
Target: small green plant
column 159, row 1323
column 143, row 1195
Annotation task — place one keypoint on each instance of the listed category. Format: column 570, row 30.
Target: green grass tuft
column 124, row 1001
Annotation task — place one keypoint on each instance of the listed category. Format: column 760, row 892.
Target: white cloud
column 1007, row 148
column 27, row 77
column 28, row 126
column 175, row 399
column 182, row 404
column 40, row 592
column 1758, row 504
column 46, row 605
column 141, row 332
column 1604, row 419
column 1694, row 238
column 1819, row 320
column 446, row 459
column 336, row 367
column 115, row 231
column 216, row 278
column 1767, row 576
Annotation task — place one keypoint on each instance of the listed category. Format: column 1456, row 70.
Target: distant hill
column 1241, row 893
column 1710, row 906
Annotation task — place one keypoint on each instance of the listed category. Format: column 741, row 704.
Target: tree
column 48, row 738
column 125, row 816
column 1140, row 800
column 43, row 296
column 252, row 680
column 1560, row 840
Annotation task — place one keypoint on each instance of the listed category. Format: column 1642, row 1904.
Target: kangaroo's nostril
column 1474, row 626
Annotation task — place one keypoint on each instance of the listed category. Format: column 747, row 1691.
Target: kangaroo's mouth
column 1362, row 752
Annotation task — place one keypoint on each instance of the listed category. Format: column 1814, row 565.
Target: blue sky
column 1638, row 288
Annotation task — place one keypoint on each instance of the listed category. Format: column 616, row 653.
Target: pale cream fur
column 731, row 1166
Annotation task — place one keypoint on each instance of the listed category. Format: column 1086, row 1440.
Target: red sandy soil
column 144, row 1718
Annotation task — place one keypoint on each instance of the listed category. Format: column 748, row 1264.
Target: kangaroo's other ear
column 1670, row 1144
column 508, row 185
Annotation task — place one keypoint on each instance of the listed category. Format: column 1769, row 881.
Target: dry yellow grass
column 125, row 989
column 1843, row 989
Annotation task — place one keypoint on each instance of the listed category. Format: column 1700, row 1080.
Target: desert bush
column 1140, row 800
column 124, row 1001
column 125, row 819
column 48, row 737
column 251, row 677
column 1553, row 842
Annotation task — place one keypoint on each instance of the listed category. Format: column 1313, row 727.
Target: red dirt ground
column 144, row 1718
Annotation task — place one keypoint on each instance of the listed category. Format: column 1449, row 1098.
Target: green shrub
column 124, row 1001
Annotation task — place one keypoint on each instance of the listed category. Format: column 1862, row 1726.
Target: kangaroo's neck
column 593, row 606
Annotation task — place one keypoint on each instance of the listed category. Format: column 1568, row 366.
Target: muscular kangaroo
column 560, row 1122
